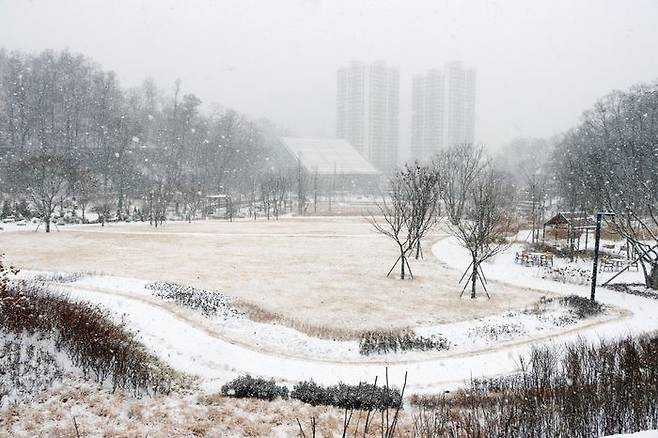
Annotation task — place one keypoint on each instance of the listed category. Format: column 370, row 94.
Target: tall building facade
column 443, row 110
column 367, row 111
column 460, row 104
column 427, row 115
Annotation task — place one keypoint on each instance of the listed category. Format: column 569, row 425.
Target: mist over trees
column 142, row 143
column 528, row 163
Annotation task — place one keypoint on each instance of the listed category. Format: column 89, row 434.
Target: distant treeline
column 117, row 143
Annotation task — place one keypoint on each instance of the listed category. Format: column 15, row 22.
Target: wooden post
column 597, row 241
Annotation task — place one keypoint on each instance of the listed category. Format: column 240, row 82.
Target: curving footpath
column 199, row 351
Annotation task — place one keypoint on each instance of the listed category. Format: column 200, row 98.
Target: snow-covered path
column 198, row 350
column 644, row 311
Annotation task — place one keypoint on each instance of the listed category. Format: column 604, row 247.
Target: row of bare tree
column 462, row 186
column 60, row 113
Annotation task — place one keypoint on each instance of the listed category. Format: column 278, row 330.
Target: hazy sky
column 539, row 63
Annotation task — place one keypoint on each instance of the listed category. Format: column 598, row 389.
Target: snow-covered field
column 328, row 272
column 224, row 346
column 485, row 339
column 231, row 325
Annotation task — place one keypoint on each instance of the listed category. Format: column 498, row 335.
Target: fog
column 539, row 64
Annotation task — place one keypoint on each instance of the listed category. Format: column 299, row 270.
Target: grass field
column 324, row 271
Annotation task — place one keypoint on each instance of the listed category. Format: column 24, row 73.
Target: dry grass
column 258, row 314
column 319, row 274
column 101, row 413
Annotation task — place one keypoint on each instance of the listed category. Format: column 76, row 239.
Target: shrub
column 104, row 351
column 583, row 307
column 383, row 342
column 27, row 367
column 566, row 274
column 210, row 303
column 311, row 393
column 639, row 289
column 582, row 390
column 497, row 331
column 250, row 387
column 59, row 277
column 363, row 396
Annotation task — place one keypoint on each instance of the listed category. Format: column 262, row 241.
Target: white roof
column 326, row 155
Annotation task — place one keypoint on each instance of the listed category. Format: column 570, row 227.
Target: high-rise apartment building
column 367, row 111
column 427, row 115
column 443, row 110
column 460, row 104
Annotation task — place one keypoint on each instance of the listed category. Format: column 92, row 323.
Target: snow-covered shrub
column 311, row 393
column 639, row 289
column 210, row 303
column 383, row 342
column 581, row 306
column 59, row 277
column 254, row 387
column 363, row 396
column 566, row 274
column 103, row 350
column 578, row 390
column 495, row 332
column 27, row 367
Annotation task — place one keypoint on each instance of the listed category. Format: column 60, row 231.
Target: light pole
column 597, row 240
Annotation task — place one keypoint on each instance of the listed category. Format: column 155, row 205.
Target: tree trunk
column 652, row 279
column 48, row 225
column 402, row 259
column 474, row 277
column 418, row 250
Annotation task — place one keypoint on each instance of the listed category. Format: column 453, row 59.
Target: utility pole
column 597, row 240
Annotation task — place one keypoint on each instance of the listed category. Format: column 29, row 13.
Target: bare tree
column 106, row 202
column 528, row 160
column 302, row 188
column 484, row 223
column 536, row 194
column 408, row 211
column 424, row 198
column 458, row 167
column 85, row 190
column 45, row 178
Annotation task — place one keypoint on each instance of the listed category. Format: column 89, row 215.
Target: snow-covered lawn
column 321, row 271
column 217, row 349
column 230, row 324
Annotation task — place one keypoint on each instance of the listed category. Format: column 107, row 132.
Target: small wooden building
column 571, row 225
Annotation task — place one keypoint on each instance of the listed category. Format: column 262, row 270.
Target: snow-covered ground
column 324, row 272
column 233, row 326
column 205, row 348
column 217, row 349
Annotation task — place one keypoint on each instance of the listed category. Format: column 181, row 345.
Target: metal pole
column 597, row 240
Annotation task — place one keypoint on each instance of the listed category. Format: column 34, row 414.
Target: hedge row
column 363, row 396
column 383, row 342
column 210, row 303
column 104, row 350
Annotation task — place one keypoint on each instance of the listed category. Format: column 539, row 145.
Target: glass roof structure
column 328, row 155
